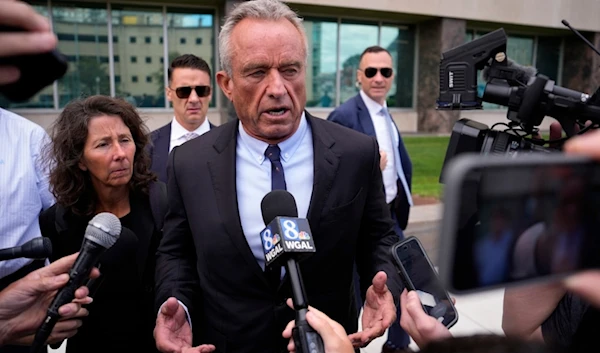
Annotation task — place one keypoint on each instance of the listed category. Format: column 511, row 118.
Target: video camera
column 529, row 98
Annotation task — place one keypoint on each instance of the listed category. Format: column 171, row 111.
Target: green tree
column 86, row 77
column 159, row 75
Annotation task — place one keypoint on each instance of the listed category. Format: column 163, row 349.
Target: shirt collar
column 178, row 131
column 373, row 107
column 288, row 147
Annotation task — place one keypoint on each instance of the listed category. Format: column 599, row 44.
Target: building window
column 89, row 73
column 323, row 70
column 198, row 41
column 548, row 57
column 400, row 42
column 182, row 40
column 145, row 23
column 353, row 36
column 83, row 27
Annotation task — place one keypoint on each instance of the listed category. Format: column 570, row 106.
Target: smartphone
column 418, row 274
column 513, row 220
column 37, row 72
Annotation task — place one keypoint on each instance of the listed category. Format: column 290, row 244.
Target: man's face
column 267, row 86
column 377, row 86
column 190, row 112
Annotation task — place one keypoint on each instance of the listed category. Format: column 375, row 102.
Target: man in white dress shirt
column 190, row 92
column 367, row 112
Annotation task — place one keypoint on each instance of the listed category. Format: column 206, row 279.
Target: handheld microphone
column 288, row 238
column 101, row 233
column 37, row 248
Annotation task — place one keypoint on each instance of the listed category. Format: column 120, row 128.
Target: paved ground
column 478, row 313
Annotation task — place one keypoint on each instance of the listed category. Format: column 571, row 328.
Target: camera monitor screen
column 522, row 220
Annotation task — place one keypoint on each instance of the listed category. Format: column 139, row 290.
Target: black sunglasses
column 372, row 71
column 185, row 91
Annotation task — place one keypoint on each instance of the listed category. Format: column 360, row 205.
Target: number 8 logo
column 267, row 239
column 290, row 229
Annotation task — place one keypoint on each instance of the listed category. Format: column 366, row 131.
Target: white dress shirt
column 178, row 132
column 24, row 189
column 253, row 179
column 384, row 139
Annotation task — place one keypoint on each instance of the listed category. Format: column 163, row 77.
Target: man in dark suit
column 367, row 113
column 210, row 263
column 190, row 93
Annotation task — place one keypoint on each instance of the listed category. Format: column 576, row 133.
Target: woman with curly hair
column 100, row 164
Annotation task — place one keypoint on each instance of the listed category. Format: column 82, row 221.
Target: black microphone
column 101, row 233
column 37, row 248
column 523, row 73
column 288, row 238
column 499, row 92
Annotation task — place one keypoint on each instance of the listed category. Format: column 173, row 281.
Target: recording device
column 418, row 274
column 537, row 218
column 529, row 97
column 37, row 248
column 287, row 239
column 101, row 233
column 37, row 71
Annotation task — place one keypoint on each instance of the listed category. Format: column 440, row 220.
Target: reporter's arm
column 526, row 308
column 23, row 304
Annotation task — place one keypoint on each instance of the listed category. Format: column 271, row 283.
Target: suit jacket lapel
column 222, row 171
column 364, row 117
column 326, row 164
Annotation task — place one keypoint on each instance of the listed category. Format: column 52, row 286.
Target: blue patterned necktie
column 277, row 176
column 273, row 153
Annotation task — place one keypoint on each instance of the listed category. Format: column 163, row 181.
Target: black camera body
column 529, row 98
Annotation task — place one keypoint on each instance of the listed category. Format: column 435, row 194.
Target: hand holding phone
column 418, row 275
column 421, row 327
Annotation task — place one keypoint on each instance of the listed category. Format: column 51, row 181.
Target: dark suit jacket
column 159, row 150
column 204, row 259
column 122, row 316
column 354, row 114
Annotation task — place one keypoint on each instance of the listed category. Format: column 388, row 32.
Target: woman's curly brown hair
column 71, row 186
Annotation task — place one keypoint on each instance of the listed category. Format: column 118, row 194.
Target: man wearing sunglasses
column 367, row 113
column 190, row 93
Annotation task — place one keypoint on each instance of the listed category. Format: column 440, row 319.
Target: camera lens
column 405, row 247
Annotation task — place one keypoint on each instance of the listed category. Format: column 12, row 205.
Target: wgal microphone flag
column 286, row 235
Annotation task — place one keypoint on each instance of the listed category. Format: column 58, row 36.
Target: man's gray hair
column 272, row 10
